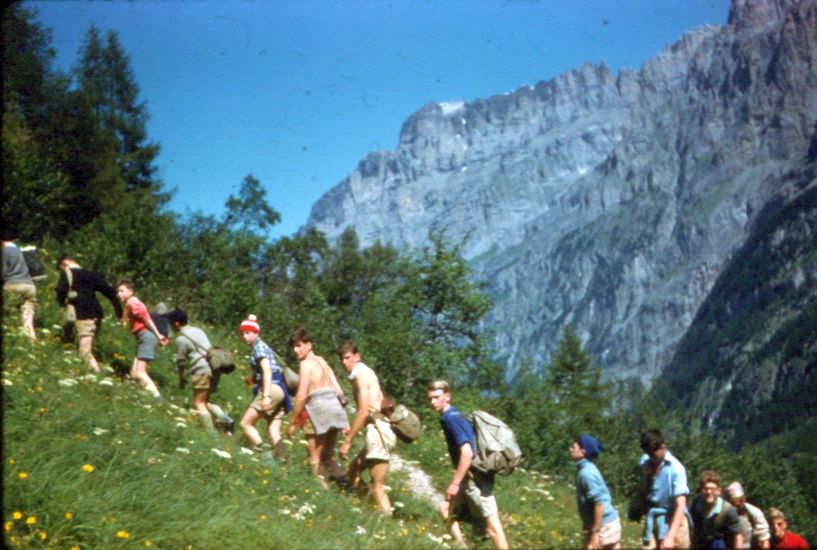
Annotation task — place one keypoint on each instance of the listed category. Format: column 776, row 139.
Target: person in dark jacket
column 78, row 287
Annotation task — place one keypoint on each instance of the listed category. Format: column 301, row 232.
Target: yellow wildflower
column 88, row 468
column 75, row 548
column 122, row 534
column 265, row 482
column 8, row 525
column 148, row 543
column 43, row 535
column 11, row 461
column 17, row 515
column 69, row 515
column 31, row 520
column 23, row 475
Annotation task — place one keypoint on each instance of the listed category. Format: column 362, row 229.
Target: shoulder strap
column 195, row 345
column 70, row 276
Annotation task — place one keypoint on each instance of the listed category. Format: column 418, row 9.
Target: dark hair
column 710, row 476
column 301, row 335
column 651, row 440
column 62, row 259
column 177, row 316
column 127, row 283
column 347, row 347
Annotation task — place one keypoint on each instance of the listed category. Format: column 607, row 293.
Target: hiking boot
column 280, row 451
column 344, row 485
column 265, row 452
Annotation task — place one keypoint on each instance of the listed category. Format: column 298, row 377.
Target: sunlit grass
column 91, row 461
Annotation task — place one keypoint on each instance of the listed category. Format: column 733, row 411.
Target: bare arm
column 300, row 397
column 677, row 516
column 593, row 537
column 364, row 394
column 266, row 380
column 466, row 456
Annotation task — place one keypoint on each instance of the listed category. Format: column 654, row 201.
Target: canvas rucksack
column 405, row 423
column 36, row 268
column 161, row 323
column 291, row 378
column 220, row 360
column 497, row 450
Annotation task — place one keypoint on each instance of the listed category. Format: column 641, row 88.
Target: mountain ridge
column 611, row 203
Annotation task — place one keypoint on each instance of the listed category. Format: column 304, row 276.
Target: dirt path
column 419, row 482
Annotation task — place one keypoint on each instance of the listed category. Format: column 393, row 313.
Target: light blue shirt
column 591, row 490
column 671, row 482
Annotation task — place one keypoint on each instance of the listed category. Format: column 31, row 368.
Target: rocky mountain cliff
column 611, row 203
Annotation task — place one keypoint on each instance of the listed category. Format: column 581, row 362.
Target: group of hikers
column 318, row 407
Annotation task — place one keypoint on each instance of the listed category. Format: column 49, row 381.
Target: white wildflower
column 398, row 504
column 106, row 382
column 222, row 454
column 7, row 382
column 183, row 450
column 285, row 511
column 100, row 431
column 246, row 451
column 181, row 425
column 360, row 530
column 67, row 382
column 90, row 376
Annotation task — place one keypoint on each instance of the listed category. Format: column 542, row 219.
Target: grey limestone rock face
column 607, row 202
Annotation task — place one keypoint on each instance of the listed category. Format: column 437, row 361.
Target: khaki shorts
column 27, row 292
column 380, row 440
column 86, row 327
column 610, row 535
column 276, row 409
column 681, row 537
column 475, row 499
column 201, row 381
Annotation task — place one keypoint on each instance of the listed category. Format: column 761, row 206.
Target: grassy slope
column 97, row 463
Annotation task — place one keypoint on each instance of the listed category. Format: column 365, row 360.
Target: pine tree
column 108, row 88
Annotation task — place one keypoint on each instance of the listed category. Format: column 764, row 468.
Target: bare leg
column 139, row 372
column 327, row 451
column 496, row 532
column 86, row 352
column 444, row 509
column 251, row 417
column 379, row 470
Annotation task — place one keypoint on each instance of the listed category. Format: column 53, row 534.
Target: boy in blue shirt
column 470, row 494
column 602, row 527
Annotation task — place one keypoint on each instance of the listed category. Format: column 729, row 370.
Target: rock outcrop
column 611, row 203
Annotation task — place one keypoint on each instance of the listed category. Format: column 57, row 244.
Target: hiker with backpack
column 137, row 317
column 662, row 495
column 192, row 345
column 271, row 399
column 715, row 523
column 469, row 496
column 321, row 396
column 602, row 526
column 753, row 524
column 17, row 281
column 77, row 288
column 379, row 436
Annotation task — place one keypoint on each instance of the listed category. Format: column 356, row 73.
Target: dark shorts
column 146, row 343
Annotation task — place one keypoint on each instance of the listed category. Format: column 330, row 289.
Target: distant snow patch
column 451, row 107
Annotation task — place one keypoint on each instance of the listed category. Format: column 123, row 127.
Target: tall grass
column 95, row 462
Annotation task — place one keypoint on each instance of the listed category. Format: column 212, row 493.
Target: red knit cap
column 250, row 324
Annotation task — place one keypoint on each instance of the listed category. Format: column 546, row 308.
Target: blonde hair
column 775, row 513
column 439, row 385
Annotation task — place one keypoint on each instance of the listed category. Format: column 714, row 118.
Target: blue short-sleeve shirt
column 591, row 490
column 259, row 351
column 458, row 431
column 671, row 482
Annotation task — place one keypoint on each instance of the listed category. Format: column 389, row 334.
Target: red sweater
column 791, row 541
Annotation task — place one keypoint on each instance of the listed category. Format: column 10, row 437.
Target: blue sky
column 296, row 93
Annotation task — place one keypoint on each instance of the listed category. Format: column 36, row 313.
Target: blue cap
column 592, row 447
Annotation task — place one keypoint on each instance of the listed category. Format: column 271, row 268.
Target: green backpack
column 497, row 450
